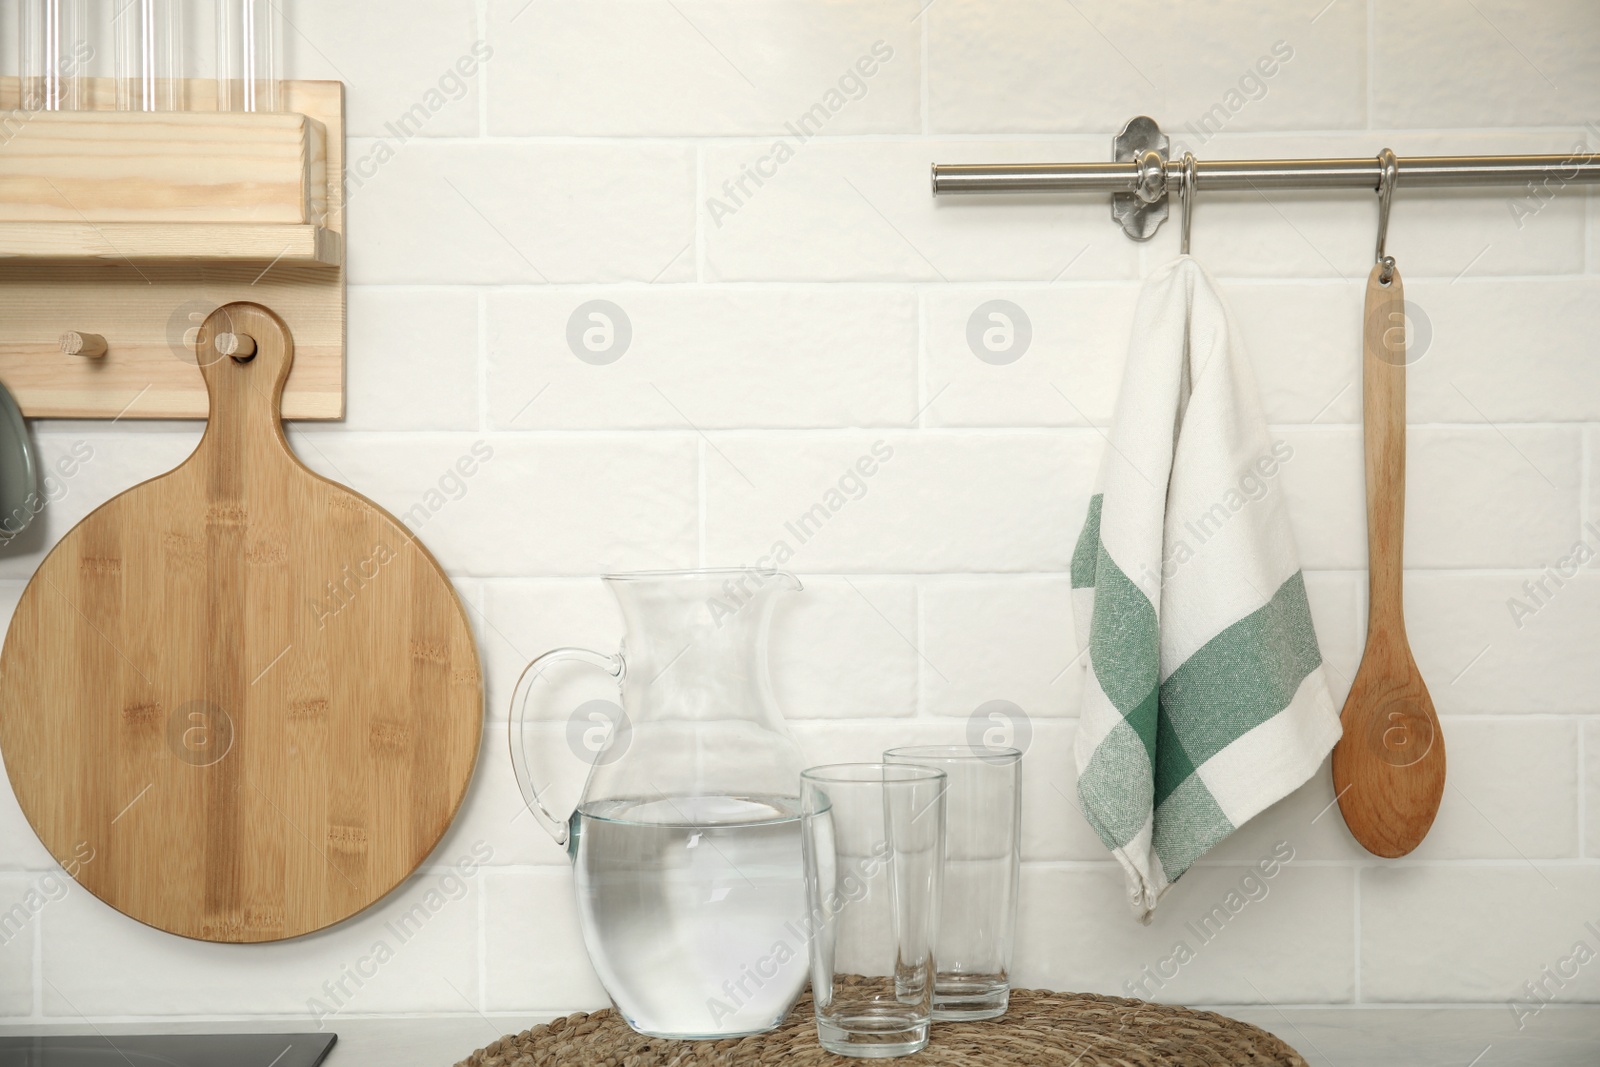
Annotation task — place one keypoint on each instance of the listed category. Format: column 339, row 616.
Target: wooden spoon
column 1388, row 767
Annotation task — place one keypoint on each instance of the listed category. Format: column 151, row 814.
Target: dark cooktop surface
column 167, row 1050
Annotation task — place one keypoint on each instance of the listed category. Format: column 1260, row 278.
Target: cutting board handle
column 246, row 392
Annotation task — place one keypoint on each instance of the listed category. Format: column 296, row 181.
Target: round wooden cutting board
column 240, row 702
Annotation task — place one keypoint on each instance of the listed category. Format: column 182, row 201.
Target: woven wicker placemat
column 1077, row 1029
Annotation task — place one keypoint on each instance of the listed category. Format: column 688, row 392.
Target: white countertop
column 1326, row 1037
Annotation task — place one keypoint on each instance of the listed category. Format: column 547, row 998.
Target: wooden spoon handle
column 1384, row 389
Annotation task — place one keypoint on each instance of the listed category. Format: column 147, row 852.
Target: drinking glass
column 983, row 809
column 873, row 840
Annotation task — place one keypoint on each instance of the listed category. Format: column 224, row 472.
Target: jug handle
column 612, row 665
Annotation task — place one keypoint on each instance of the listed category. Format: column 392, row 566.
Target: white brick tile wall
column 1304, row 341
column 790, row 301
column 1308, row 819
column 1007, row 639
column 23, row 851
column 686, row 359
column 865, row 630
column 401, row 73
column 21, row 899
column 494, row 812
column 1593, row 260
column 1323, row 486
column 1426, row 55
column 496, row 212
column 1467, row 642
column 408, row 350
column 866, row 741
column 534, row 953
column 1589, row 818
column 1057, row 363
column 1530, row 519
column 1512, row 791
column 1506, row 350
column 1422, row 937
column 1053, row 826
column 714, row 68
column 1337, row 605
column 1001, row 69
column 1591, row 498
column 860, row 211
column 97, row 962
column 1084, row 937
column 526, row 505
column 529, row 618
column 994, row 502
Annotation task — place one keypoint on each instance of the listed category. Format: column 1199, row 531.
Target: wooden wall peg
column 87, row 345
column 241, row 347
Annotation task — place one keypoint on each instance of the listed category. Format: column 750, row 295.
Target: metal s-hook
column 1388, row 177
column 1186, row 188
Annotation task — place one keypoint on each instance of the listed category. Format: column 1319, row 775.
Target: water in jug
column 686, row 838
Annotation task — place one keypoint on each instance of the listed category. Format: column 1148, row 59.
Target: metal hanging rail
column 1415, row 171
column 1142, row 172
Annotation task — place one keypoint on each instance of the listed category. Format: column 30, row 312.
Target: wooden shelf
column 164, row 167
column 134, row 226
column 143, row 242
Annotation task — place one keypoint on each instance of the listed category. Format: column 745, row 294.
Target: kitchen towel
column 1205, row 700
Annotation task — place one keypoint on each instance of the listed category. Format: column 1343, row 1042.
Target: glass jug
column 686, row 839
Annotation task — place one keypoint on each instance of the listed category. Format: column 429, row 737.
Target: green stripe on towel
column 1125, row 648
column 1088, row 548
column 1145, row 768
column 1239, row 679
column 1125, row 653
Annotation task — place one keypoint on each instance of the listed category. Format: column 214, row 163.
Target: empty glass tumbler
column 983, row 808
column 873, row 839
